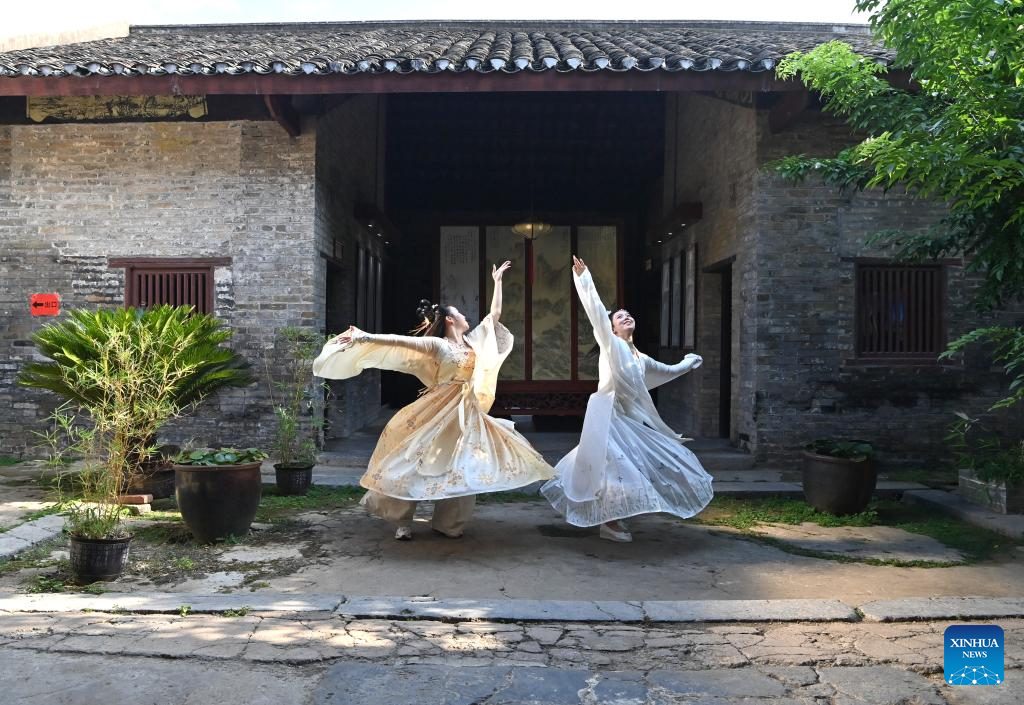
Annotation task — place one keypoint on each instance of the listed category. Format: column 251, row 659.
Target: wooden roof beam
column 280, row 108
column 448, row 82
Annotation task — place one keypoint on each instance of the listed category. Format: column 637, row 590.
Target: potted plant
column 839, row 476
column 175, row 355
column 99, row 539
column 129, row 372
column 295, row 437
column 990, row 467
column 218, row 491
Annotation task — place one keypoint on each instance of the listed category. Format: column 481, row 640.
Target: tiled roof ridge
column 720, row 25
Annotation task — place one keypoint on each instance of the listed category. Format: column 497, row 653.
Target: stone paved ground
column 323, row 658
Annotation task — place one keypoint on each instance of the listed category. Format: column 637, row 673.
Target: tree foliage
column 954, row 134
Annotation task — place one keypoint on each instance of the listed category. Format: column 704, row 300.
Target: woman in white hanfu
column 628, row 462
column 442, row 447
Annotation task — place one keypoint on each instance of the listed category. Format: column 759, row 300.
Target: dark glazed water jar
column 218, row 501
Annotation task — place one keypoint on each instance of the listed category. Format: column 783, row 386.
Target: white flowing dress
column 628, row 461
column 444, row 444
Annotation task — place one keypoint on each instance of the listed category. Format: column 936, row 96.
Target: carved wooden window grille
column 900, row 311
column 172, row 281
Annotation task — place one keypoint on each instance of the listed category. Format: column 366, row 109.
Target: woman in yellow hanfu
column 443, row 447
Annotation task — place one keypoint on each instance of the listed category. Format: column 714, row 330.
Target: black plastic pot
column 838, row 485
column 98, row 559
column 293, row 478
column 218, row 501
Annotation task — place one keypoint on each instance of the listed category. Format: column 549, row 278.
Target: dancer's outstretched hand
column 578, row 265
column 497, row 271
column 346, row 337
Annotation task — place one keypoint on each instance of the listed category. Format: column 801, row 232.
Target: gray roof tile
column 431, row 47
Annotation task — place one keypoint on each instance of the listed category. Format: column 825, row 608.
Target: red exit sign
column 44, row 304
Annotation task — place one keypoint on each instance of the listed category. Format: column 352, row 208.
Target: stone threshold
column 464, row 610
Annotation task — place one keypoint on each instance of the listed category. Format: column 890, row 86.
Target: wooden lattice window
column 900, row 311
column 172, row 281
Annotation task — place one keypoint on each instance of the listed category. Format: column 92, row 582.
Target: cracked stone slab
column 986, row 694
column 620, row 688
column 880, row 542
column 748, row 610
column 919, row 608
column 723, row 682
column 258, row 554
column 542, row 686
column 169, row 603
column 25, row 536
column 368, row 684
column 879, row 685
column 518, row 610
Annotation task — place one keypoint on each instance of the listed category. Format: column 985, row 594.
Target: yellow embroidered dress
column 443, row 444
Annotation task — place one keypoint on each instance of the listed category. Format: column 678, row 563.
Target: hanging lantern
column 531, row 228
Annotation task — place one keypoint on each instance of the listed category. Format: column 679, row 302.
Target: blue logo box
column 973, row 654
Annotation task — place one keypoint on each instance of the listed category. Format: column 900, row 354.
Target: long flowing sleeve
column 492, row 343
column 413, row 355
column 594, row 308
column 658, row 373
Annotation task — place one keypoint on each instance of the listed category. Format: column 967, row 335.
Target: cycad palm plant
column 179, row 340
column 131, row 371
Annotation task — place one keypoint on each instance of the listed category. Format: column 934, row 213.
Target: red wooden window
column 172, row 281
column 900, row 311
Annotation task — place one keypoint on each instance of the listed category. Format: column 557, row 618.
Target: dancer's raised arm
column 496, row 274
column 592, row 303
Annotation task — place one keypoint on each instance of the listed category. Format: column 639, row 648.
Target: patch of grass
column 44, row 583
column 273, row 506
column 94, row 589
column 162, row 532
column 158, row 515
column 8, row 460
column 507, row 497
column 183, row 563
column 240, row 612
column 253, row 587
column 975, row 543
column 36, row 557
column 745, row 514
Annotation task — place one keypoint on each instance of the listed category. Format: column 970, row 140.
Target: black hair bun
column 427, row 310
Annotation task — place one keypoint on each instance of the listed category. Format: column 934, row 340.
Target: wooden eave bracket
column 280, row 108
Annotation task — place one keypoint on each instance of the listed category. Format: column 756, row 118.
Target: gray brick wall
column 794, row 376
column 809, row 382
column 710, row 158
column 73, row 195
